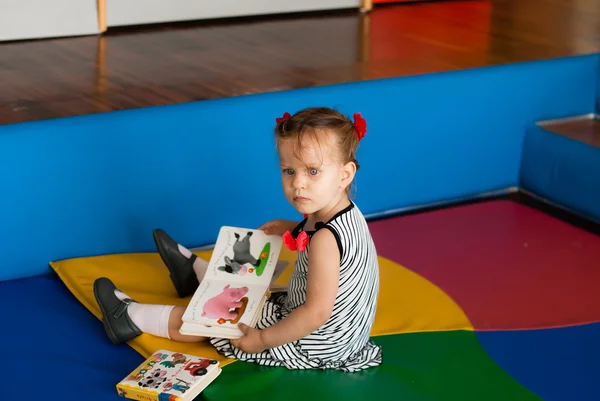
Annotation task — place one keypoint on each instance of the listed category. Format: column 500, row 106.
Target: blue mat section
column 55, row 348
column 556, row 364
column 563, row 171
column 100, row 183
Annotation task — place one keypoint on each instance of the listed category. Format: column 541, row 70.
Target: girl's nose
column 299, row 181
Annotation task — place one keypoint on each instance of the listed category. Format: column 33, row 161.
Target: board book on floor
column 236, row 284
column 171, row 376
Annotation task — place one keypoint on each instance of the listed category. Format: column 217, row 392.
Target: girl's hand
column 278, row 226
column 251, row 342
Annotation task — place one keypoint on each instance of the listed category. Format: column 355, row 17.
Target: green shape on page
column 264, row 258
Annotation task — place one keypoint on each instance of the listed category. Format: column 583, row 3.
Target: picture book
column 168, row 375
column 236, row 284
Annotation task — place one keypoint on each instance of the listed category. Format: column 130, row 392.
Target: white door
column 35, row 19
column 133, row 12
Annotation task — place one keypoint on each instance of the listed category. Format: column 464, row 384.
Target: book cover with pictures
column 235, row 284
column 169, row 376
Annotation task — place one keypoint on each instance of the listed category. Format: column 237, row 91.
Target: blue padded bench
column 561, row 163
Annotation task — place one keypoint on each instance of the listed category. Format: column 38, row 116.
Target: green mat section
column 420, row 366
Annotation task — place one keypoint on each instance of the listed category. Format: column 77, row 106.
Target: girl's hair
column 315, row 121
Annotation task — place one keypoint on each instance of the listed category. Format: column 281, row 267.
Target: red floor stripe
column 507, row 265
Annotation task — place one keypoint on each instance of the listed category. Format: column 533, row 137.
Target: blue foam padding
column 598, row 89
column 99, row 184
column 557, row 364
column 562, row 170
column 53, row 348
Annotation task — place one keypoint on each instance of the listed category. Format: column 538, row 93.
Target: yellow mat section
column 407, row 301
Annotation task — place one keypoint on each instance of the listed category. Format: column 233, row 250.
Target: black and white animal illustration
column 154, row 380
column 241, row 250
column 241, row 256
column 232, row 267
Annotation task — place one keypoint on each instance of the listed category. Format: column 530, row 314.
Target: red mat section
column 506, row 265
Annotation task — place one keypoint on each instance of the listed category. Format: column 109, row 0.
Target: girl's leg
column 175, row 323
column 125, row 319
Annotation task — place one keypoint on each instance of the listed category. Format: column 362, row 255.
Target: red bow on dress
column 295, row 244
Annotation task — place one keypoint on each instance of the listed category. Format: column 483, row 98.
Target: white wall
column 131, row 12
column 32, row 19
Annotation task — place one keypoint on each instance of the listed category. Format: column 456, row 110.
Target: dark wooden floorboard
column 159, row 65
column 586, row 131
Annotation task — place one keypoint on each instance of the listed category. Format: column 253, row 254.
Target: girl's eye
column 288, row 171
column 313, row 171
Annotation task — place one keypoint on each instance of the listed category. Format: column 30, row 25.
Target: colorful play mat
column 488, row 301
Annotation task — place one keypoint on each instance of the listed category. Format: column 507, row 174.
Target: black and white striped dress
column 343, row 342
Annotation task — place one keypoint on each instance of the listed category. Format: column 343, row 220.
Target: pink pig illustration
column 218, row 306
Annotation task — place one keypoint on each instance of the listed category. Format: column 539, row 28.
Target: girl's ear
column 348, row 171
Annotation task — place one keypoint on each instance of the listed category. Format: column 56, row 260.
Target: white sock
column 200, row 265
column 184, row 251
column 150, row 318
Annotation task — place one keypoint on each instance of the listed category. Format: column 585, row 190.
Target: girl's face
column 313, row 178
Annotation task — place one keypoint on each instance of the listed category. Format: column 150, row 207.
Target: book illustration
column 154, row 379
column 219, row 307
column 180, row 385
column 241, row 250
column 236, row 286
column 242, row 256
column 177, row 359
column 233, row 267
column 264, row 255
column 199, row 368
column 167, row 375
column 224, row 303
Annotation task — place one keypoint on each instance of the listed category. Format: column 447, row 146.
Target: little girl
column 325, row 319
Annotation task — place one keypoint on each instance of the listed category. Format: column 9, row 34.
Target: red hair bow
column 360, row 125
column 295, row 244
column 286, row 115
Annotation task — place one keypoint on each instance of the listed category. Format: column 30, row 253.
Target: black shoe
column 116, row 320
column 181, row 268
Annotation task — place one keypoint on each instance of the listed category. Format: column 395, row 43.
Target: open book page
column 244, row 256
column 221, row 303
column 238, row 276
column 221, row 331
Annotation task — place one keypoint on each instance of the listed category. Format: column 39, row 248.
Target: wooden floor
column 585, row 130
column 164, row 65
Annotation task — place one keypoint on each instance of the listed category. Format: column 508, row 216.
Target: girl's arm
column 322, row 288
